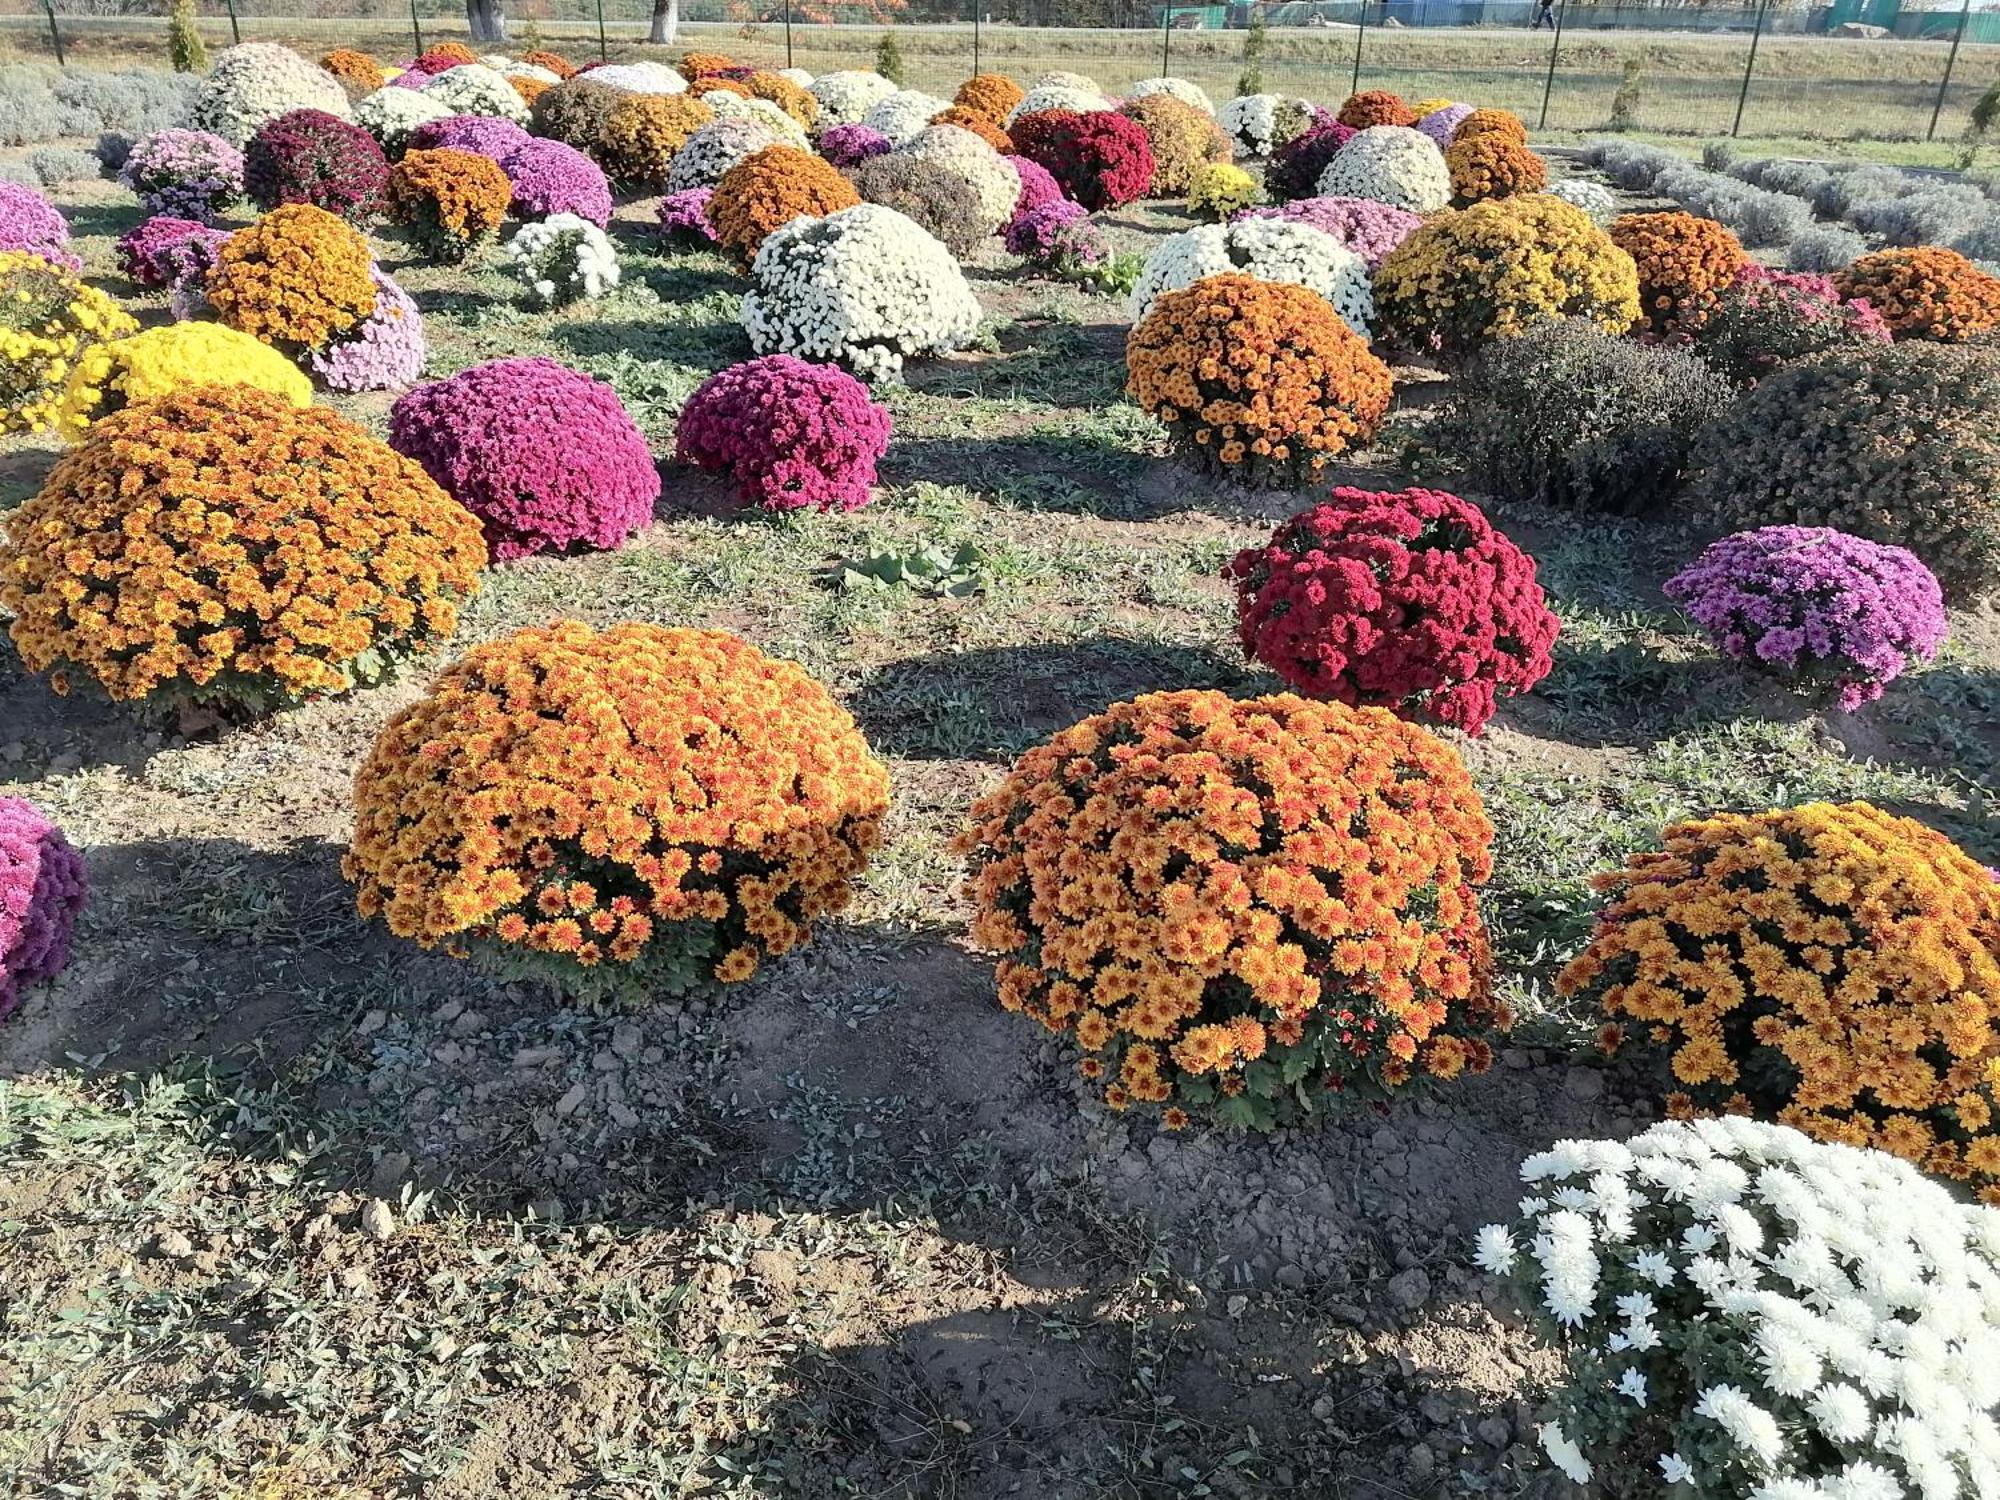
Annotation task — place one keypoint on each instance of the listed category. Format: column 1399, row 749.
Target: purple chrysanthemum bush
column 850, row 145
column 684, row 217
column 148, row 252
column 1836, row 614
column 385, row 351
column 28, row 221
column 791, row 434
column 549, row 177
column 1060, row 238
column 42, row 890
column 544, row 455
column 189, row 174
column 482, row 135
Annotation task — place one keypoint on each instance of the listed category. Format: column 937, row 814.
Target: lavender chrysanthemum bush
column 149, row 251
column 42, row 890
column 482, row 135
column 189, row 174
column 850, row 145
column 1059, row 238
column 28, row 221
column 385, row 351
column 684, row 217
column 1370, row 229
column 1837, row 614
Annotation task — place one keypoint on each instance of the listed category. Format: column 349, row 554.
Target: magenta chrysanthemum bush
column 850, row 145
column 1038, row 185
column 544, row 455
column 684, row 217
column 1837, row 614
column 793, row 435
column 310, row 156
column 190, row 174
column 551, row 178
column 1370, row 229
column 1294, row 168
column 28, row 221
column 482, row 135
column 147, row 252
column 42, row 890
column 385, row 351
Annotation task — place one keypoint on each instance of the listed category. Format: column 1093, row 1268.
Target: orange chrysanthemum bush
column 530, row 89
column 770, row 188
column 642, row 136
column 981, row 125
column 357, row 71
column 1685, row 264
column 1831, row 967
column 1375, row 107
column 1264, row 910
column 225, row 548
column 1925, row 293
column 1260, row 380
column 555, row 62
column 1501, row 122
column 619, row 813
column 700, row 65
column 450, row 201
column 1493, row 166
column 297, row 278
column 993, row 95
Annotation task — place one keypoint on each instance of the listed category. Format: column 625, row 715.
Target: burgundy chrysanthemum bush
column 42, row 891
column 793, row 435
column 482, row 135
column 28, row 221
column 684, row 217
column 850, row 145
column 1294, row 168
column 310, row 156
column 1409, row 601
column 1370, row 229
column 1099, row 158
column 147, row 252
column 545, row 456
column 549, row 178
column 1837, row 615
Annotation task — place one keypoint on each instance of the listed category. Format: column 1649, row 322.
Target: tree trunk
column 666, row 22
column 486, row 21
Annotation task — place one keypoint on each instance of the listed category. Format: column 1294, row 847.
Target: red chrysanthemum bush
column 1034, row 135
column 1493, row 166
column 1100, row 158
column 1262, row 909
column 1409, row 601
column 1685, row 264
column 1925, row 293
column 619, row 813
column 770, row 188
column 444, row 57
column 1259, row 380
column 1375, row 107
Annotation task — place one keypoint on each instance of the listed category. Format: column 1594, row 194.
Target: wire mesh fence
column 1704, row 70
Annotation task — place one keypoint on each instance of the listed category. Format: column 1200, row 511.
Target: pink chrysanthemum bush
column 1409, row 601
column 42, row 891
column 792, row 435
column 544, row 456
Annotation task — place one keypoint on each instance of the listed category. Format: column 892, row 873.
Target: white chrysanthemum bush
column 900, row 115
column 1594, row 198
column 728, row 106
column 393, row 115
column 252, row 84
column 1058, row 96
column 1258, row 123
column 712, row 150
column 475, row 90
column 1270, row 250
column 563, row 259
column 1182, row 89
column 996, row 184
column 1391, row 164
column 1749, row 1314
column 864, row 287
column 639, row 78
column 846, row 96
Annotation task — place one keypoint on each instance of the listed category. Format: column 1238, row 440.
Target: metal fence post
column 235, row 31
column 1166, row 40
column 416, row 31
column 1749, row 65
column 603, row 51
column 1549, row 82
column 1360, row 35
column 1950, row 62
column 975, row 37
column 788, row 33
column 55, row 35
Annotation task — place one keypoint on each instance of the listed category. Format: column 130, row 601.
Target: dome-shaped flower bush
column 1220, row 190
column 392, row 116
column 357, row 71
column 1593, row 197
column 972, row 121
column 576, row 112
column 1500, row 122
column 847, row 95
column 1056, row 98
column 1374, row 107
column 698, row 65
column 189, row 174
column 252, row 84
column 176, row 357
column 482, row 135
column 243, row 552
column 147, row 251
column 29, row 222
column 638, row 78
column 385, row 351
column 770, row 188
column 544, row 456
column 714, row 149
column 1259, row 123
column 993, row 95
column 1261, row 910
column 850, row 145
column 296, row 278
column 1270, row 250
column 792, row 435
column 622, row 813
column 1033, row 135
column 931, row 196
column 788, row 96
column 1494, row 269
column 450, row 202
column 645, row 133
column 1766, row 318
column 1829, row 966
column 554, row 62
column 475, row 89
column 1744, row 1312
column 1442, row 123
column 864, row 287
column 43, row 889
column 1183, row 90
column 48, row 321
column 684, row 221
column 1259, row 380
column 902, row 114
column 1836, row 615
column 1408, row 601
column 1101, row 159
column 1925, row 293
column 550, row 178
column 1684, row 263
column 308, row 156
column 1294, row 168
column 563, row 259
column 1370, row 229
column 1897, row 444
column 995, row 185
column 1037, row 186
column 1181, row 136
column 1492, row 166
column 444, row 57
column 1391, row 164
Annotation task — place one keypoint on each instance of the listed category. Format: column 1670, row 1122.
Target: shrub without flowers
column 931, row 196
column 43, row 890
column 189, row 174
column 563, row 259
column 48, row 320
column 792, row 435
column 1293, row 933
column 1270, row 250
column 310, row 157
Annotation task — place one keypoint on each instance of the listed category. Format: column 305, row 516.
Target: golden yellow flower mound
column 1497, row 268
column 530, row 89
column 48, row 321
column 1503, row 123
column 1184, row 139
column 993, row 95
column 788, row 96
column 1685, row 264
column 1831, row 967
column 295, row 278
column 358, row 72
column 619, row 812
column 1493, row 166
column 450, row 201
column 770, row 188
column 1262, row 909
column 175, row 357
column 1218, row 189
column 1260, row 380
column 224, row 547
column 641, row 137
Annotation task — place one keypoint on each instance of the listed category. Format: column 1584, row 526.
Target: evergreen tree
column 185, row 48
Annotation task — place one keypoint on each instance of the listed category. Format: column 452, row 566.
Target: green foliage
column 889, row 58
column 185, row 48
column 1255, row 40
column 1625, row 103
column 930, row 571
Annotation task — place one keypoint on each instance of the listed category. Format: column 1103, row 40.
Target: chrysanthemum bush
column 563, row 259
column 1492, row 166
column 1495, row 269
column 1836, row 615
column 1684, row 264
column 621, row 814
column 28, row 221
column 992, row 94
column 1259, row 380
column 1747, row 1314
column 385, row 351
column 1037, row 186
column 713, row 150
column 1370, row 229
column 1054, row 99
column 1831, row 966
column 252, row 84
column 475, row 89
column 791, row 435
column 902, row 114
column 392, row 116
column 931, row 196
column 770, row 188
column 1487, row 121
column 638, row 78
column 1925, row 293
column 179, row 356
column 995, row 185
column 48, row 320
column 974, row 123
column 357, row 71
column 845, row 96
column 1060, row 238
column 1593, row 197
column 221, row 546
column 1442, row 123
column 146, row 251
column 1766, row 318
column 550, row 178
column 645, row 133
column 1182, row 137
column 1391, row 164
column 1295, row 167
column 1259, row 123
column 43, row 889
column 308, row 156
column 683, row 218
column 482, row 135
column 296, row 278
column 450, row 202
column 189, row 174
column 1182, row 90
column 575, row 112
column 850, row 145
column 1261, row 910
column 1102, row 159
column 1374, row 107
column 1221, row 189
column 1270, row 250
column 1409, row 601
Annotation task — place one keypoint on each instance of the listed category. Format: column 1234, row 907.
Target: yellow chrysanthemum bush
column 1259, row 380
column 770, row 188
column 175, row 357
column 642, row 136
column 1184, row 139
column 49, row 320
column 1685, row 264
column 295, row 279
column 450, row 201
column 1262, row 910
column 1497, row 268
column 617, row 813
column 1831, row 967
column 1217, row 189
column 792, row 98
column 225, row 548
